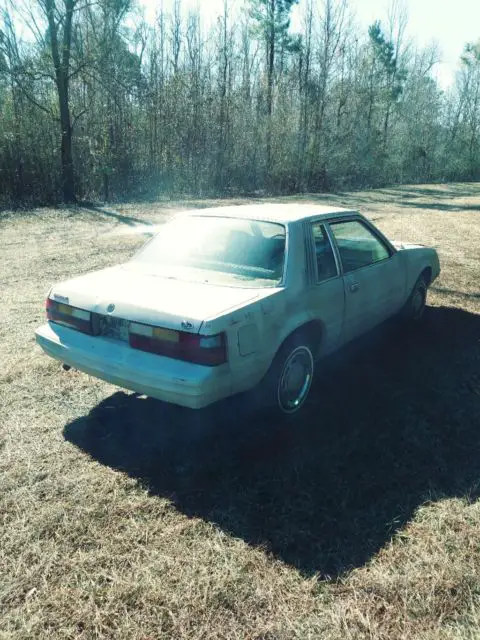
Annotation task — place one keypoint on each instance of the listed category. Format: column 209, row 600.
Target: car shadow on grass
column 394, row 421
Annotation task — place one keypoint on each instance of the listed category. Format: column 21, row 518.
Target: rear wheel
column 288, row 382
column 416, row 303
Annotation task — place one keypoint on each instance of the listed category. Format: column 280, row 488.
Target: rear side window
column 358, row 246
column 326, row 265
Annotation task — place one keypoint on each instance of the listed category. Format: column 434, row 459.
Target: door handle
column 354, row 287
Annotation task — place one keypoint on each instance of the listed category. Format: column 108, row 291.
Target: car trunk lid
column 129, row 294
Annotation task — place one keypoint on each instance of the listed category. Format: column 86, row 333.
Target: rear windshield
column 218, row 249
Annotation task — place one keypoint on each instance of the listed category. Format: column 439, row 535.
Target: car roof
column 273, row 212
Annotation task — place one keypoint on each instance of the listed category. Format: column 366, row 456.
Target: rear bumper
column 183, row 383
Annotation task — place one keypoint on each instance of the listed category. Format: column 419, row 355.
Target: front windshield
column 217, row 250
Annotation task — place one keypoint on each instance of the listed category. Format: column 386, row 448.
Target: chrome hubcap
column 295, row 380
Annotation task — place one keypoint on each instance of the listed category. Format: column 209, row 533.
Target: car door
column 326, row 296
column 371, row 276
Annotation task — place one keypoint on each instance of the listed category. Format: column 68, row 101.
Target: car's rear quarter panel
column 253, row 334
column 417, row 260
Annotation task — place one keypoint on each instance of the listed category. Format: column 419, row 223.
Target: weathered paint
column 256, row 321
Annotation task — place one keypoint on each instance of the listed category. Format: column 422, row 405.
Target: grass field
column 121, row 517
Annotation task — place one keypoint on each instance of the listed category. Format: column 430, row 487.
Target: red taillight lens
column 69, row 316
column 209, row 351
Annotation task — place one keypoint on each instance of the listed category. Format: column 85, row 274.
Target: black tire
column 287, row 384
column 415, row 306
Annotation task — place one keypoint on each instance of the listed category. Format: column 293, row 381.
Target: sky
column 450, row 23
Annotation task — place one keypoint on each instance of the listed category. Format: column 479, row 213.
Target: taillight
column 210, row 351
column 69, row 316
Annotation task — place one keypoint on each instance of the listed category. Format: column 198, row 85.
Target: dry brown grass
column 125, row 518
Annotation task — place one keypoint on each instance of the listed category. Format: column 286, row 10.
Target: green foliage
column 471, row 54
column 384, row 52
column 272, row 14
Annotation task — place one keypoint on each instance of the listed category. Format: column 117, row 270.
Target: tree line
column 96, row 102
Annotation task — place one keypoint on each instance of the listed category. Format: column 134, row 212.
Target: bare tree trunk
column 12, row 54
column 270, row 72
column 223, row 79
column 304, row 82
column 176, row 36
column 61, row 62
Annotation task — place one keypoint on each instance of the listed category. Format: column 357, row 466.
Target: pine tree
column 272, row 21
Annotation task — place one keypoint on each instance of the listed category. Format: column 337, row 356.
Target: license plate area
column 113, row 328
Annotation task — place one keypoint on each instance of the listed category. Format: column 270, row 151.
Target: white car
column 219, row 301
